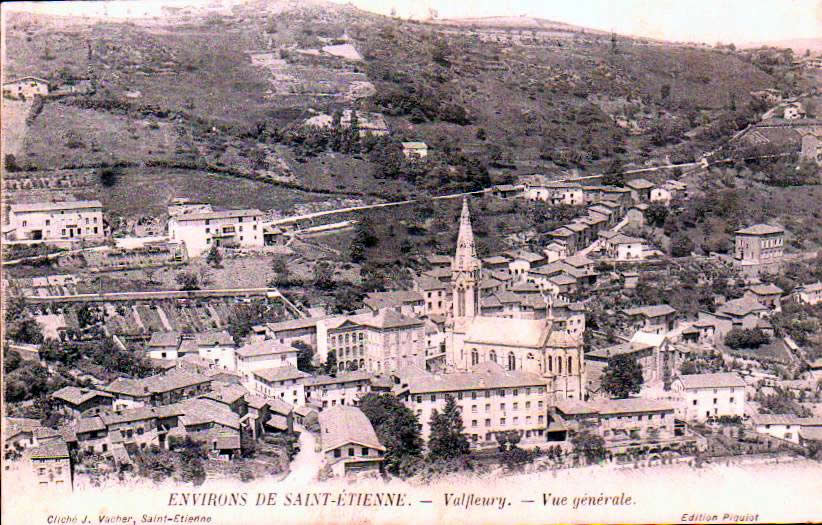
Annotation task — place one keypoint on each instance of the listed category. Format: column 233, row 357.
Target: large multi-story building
column 758, row 249
column 343, row 389
column 285, row 383
column 68, row 220
column 202, row 230
column 490, row 398
column 704, row 396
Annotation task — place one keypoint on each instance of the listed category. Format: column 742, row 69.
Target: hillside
column 229, row 89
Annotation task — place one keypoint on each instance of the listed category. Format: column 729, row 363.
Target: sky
column 708, row 21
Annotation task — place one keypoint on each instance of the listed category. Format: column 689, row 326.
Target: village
column 346, row 297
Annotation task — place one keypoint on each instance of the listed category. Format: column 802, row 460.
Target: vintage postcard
column 389, row 262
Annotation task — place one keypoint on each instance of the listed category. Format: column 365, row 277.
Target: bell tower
column 465, row 273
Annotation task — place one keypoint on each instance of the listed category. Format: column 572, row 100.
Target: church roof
column 531, row 333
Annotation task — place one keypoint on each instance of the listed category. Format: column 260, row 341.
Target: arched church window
column 559, row 365
column 512, row 361
column 570, row 364
column 492, row 356
column 550, row 364
column 474, row 357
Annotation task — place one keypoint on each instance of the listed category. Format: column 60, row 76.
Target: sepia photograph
column 411, row 261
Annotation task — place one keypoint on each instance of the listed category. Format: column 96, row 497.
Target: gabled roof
column 164, row 339
column 741, row 307
column 649, row 339
column 77, row 396
column 280, row 373
column 349, row 377
column 624, row 239
column 262, row 348
column 227, row 394
column 814, row 287
column 21, row 79
column 715, row 380
column 171, row 380
column 766, row 289
column 53, row 450
column 435, row 258
column 379, row 300
column 525, row 255
column 341, row 425
column 578, row 260
column 760, row 229
column 531, row 333
column 615, row 350
column 656, row 310
column 214, row 338
column 496, row 259
column 201, row 411
column 562, row 279
column 131, row 415
column 639, row 184
column 482, row 376
column 426, row 283
column 294, row 324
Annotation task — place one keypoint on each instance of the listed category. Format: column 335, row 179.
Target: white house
column 810, row 293
column 625, row 248
column 263, row 354
column 783, row 426
column 703, row 396
column 232, row 228
column 285, row 383
column 66, row 220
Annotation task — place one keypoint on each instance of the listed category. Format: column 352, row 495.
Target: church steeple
column 465, row 259
column 465, row 271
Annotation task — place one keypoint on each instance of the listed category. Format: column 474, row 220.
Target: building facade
column 200, row 231
column 68, row 220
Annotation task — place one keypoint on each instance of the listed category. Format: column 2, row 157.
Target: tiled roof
column 201, row 411
column 226, row 394
column 277, row 421
column 814, row 287
column 358, row 375
column 294, row 324
column 164, row 339
column 214, row 337
column 639, row 184
column 54, row 206
column 263, row 347
column 139, row 414
column 278, row 406
column 562, row 279
column 228, row 214
column 655, row 310
column 649, row 339
column 426, row 283
column 496, row 259
column 171, row 380
column 434, row 258
column 785, row 419
column 16, row 425
column 482, row 376
column 741, row 307
column 54, row 450
column 341, row 425
column 76, row 396
column 383, row 319
column 578, row 261
column 379, row 300
column 715, row 380
column 629, row 405
column 761, row 229
column 525, row 255
column 620, row 349
column 280, row 373
column 766, row 289
column 624, row 239
column 89, row 424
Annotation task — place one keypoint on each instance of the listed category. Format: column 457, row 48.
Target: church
column 528, row 345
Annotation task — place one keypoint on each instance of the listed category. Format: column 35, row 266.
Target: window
column 487, row 407
column 433, row 397
column 492, row 356
column 337, row 453
column 364, row 451
column 731, row 400
column 539, row 404
column 473, row 395
column 474, row 357
column 512, row 361
column 502, row 421
column 714, row 401
column 41, row 470
column 487, row 422
column 473, row 409
column 527, row 405
column 502, row 406
column 694, row 402
column 459, row 395
column 516, row 420
column 473, row 422
column 541, row 419
column 351, row 451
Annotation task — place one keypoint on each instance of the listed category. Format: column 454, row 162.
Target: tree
column 323, row 276
column 109, row 176
column 447, row 440
column 330, row 365
column 282, row 275
column 305, row 356
column 397, row 428
column 681, row 245
column 622, row 377
column 214, row 257
column 187, row 281
column 243, row 318
column 656, row 213
column 746, row 338
column 590, row 446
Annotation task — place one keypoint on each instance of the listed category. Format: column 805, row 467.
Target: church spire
column 465, row 259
